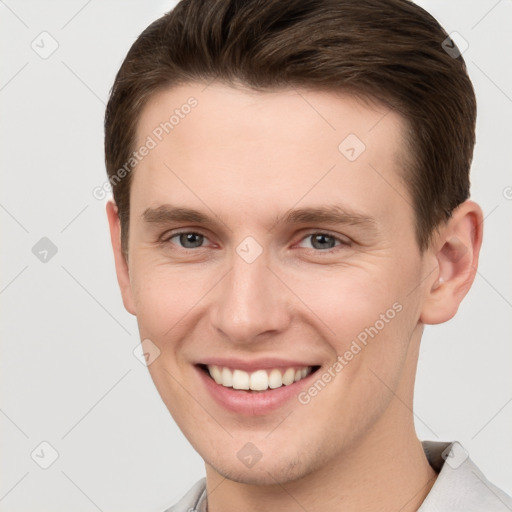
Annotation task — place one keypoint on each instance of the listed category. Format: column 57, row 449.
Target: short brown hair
column 391, row 51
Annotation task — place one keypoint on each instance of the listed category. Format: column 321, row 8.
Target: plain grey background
column 69, row 377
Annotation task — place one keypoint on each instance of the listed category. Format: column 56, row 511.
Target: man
column 291, row 184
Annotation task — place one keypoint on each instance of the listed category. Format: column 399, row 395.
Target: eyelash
column 343, row 243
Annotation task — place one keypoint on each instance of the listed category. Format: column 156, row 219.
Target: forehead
column 259, row 153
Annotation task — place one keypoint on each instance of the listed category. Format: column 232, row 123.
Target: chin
column 264, row 472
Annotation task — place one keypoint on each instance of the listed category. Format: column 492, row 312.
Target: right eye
column 187, row 239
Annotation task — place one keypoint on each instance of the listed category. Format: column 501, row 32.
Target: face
column 272, row 246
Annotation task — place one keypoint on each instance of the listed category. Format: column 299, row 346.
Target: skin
column 245, row 158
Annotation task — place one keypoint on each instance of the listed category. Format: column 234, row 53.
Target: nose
column 251, row 303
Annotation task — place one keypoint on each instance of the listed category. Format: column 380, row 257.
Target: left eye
column 323, row 241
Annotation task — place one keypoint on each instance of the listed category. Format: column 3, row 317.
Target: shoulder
column 192, row 500
column 460, row 485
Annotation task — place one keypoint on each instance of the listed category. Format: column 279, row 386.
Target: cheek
column 367, row 320
column 164, row 296
column 367, row 323
column 348, row 300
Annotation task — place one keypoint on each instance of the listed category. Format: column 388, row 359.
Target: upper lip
column 266, row 363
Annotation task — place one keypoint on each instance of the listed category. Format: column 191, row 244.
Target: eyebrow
column 167, row 213
column 330, row 214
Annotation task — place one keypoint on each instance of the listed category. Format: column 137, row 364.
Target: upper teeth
column 260, row 380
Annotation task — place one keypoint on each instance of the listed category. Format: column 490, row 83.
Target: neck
column 381, row 475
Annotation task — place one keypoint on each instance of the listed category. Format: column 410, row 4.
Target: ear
column 455, row 252
column 122, row 270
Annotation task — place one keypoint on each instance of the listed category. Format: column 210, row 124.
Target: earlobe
column 456, row 252
column 122, row 269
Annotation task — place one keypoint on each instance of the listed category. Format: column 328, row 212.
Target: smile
column 259, row 380
column 252, row 388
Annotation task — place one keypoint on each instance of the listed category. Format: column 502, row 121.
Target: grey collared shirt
column 460, row 486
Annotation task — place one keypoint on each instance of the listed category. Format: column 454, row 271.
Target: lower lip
column 252, row 403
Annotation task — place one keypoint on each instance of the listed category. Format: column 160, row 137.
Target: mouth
column 259, row 381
